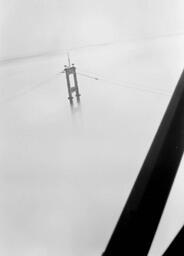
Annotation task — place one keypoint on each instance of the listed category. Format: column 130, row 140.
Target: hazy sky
column 38, row 26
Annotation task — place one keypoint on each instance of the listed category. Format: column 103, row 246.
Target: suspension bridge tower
column 72, row 86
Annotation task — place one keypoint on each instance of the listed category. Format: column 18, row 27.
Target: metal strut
column 139, row 220
column 176, row 245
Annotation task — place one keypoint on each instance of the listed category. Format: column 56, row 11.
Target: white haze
column 65, row 175
column 42, row 26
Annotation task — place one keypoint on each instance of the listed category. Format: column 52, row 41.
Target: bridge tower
column 71, row 71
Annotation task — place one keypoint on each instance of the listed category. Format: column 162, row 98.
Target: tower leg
column 76, row 84
column 69, row 87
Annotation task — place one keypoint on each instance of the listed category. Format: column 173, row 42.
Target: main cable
column 125, row 84
column 122, row 84
column 28, row 90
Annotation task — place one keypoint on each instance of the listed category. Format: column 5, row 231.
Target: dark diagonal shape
column 177, row 245
column 138, row 222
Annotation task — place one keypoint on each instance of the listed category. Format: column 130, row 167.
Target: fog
column 66, row 173
column 42, row 26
